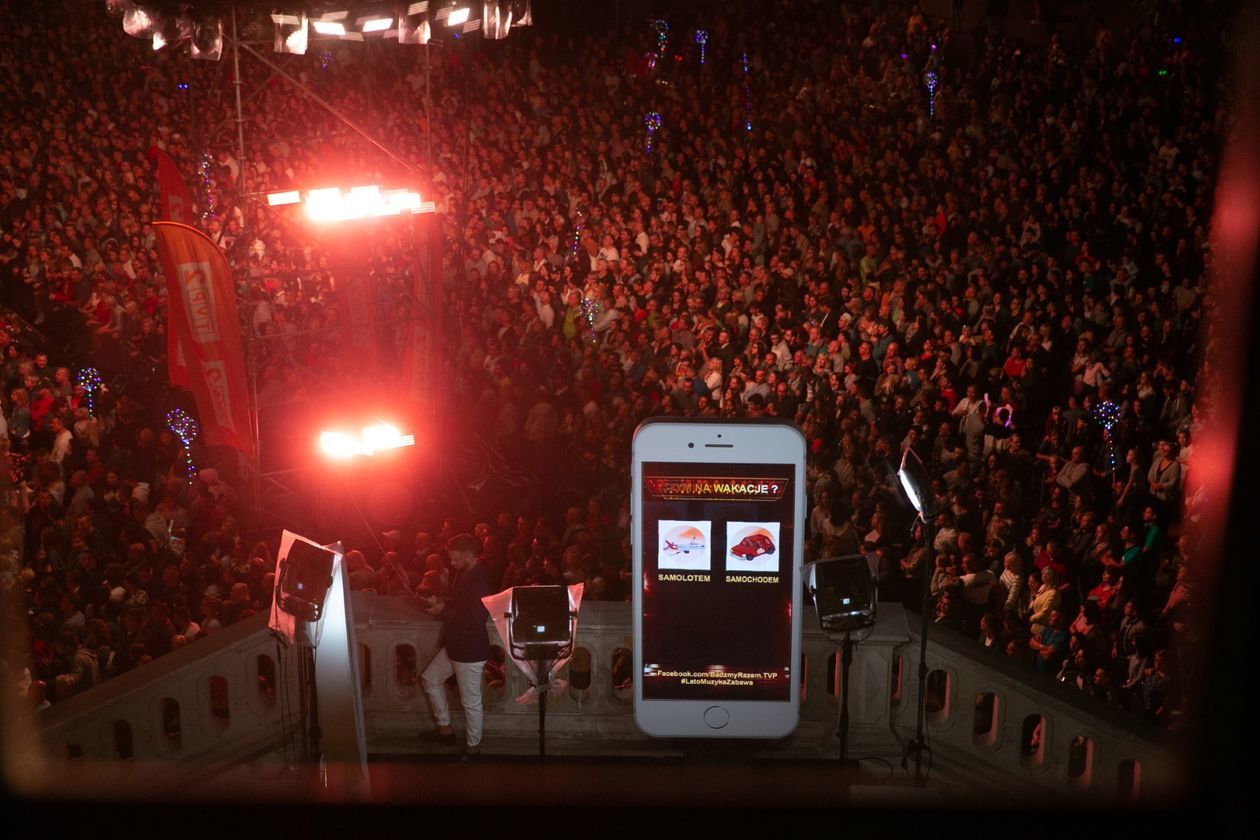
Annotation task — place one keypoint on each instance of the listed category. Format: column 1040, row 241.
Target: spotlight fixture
column 843, row 589
column 522, row 13
column 540, row 623
column 169, row 30
column 278, row 199
column 332, row 205
column 498, row 20
column 413, row 26
column 457, row 17
column 375, row 24
column 206, row 42
column 499, row 16
column 375, row 438
column 292, row 33
column 918, row 487
column 329, row 27
column 305, row 576
column 138, row 22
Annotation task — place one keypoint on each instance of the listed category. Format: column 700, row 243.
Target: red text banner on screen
column 720, row 489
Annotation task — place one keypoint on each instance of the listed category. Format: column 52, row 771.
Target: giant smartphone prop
column 717, row 531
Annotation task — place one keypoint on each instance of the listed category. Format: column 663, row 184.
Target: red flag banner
column 175, row 201
column 201, row 303
column 174, row 205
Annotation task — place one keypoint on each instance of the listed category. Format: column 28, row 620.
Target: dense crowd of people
column 990, row 251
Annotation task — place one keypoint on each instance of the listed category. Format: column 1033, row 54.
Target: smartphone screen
column 718, row 542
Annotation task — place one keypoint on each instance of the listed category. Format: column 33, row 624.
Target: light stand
column 843, row 589
column 914, row 480
column 846, row 662
column 541, row 630
column 311, row 610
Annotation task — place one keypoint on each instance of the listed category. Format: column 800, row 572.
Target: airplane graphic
column 685, row 548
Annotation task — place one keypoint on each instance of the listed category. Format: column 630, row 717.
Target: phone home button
column 716, row 717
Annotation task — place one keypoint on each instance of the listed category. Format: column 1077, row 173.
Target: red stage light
column 372, row 439
column 332, row 205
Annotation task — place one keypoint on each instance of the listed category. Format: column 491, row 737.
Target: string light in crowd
column 577, row 236
column 203, row 169
column 89, row 380
column 743, row 59
column 662, row 33
column 702, row 38
column 653, row 123
column 186, row 429
column 590, row 309
column 930, row 79
column 327, row 57
column 1107, row 414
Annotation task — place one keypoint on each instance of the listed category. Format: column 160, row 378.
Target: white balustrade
column 86, row 737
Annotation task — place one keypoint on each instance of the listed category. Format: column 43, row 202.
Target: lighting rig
column 200, row 25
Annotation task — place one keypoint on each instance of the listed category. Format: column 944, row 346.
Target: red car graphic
column 753, row 546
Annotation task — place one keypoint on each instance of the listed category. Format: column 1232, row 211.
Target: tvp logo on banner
column 198, row 288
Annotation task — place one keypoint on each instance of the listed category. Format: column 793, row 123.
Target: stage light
column 375, row 24
column 339, row 445
column 914, row 480
column 843, row 590
column 384, row 436
column 540, row 623
column 137, row 22
column 207, row 40
column 324, row 205
column 413, row 27
column 918, row 487
column 499, row 16
column 498, row 20
column 331, row 205
column 372, row 439
column 292, row 33
column 278, row 199
column 458, row 16
column 305, row 575
column 168, row 30
column 329, row 27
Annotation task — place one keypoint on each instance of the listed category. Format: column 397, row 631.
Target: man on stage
column 465, row 645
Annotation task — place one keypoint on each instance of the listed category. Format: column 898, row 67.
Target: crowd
column 1002, row 270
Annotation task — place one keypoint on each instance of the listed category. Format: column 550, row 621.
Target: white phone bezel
column 730, row 442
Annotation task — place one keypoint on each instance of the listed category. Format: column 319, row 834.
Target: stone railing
column 173, row 724
column 180, row 722
column 994, row 719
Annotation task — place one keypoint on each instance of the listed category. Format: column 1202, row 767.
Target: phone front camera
column 691, row 446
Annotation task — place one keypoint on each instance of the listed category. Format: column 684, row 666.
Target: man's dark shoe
column 468, row 755
column 435, row 737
